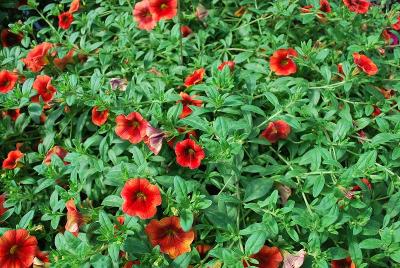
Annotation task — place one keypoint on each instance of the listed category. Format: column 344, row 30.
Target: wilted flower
column 118, row 83
column 201, row 12
column 153, row 139
column 293, row 260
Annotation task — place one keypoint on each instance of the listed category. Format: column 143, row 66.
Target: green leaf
column 342, row 128
column 182, row 261
column 35, row 110
column 318, row 185
column 255, row 242
column 337, row 253
column 253, row 108
column 112, row 201
column 393, row 206
column 186, row 219
column 105, row 221
column 257, row 188
column 180, row 190
column 26, row 219
column 371, row 243
column 382, row 138
column 196, row 122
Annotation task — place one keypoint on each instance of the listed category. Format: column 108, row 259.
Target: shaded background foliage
column 236, row 197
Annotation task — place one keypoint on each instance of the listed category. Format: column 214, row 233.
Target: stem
column 180, row 31
column 48, row 22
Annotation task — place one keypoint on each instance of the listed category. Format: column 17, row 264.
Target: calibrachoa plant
column 177, row 133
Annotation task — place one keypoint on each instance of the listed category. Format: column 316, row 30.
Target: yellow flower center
column 13, row 249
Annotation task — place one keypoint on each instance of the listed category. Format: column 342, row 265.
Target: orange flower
column 9, row 39
column 60, row 63
column 7, row 81
column 12, row 159
column 59, row 151
column 344, row 263
column 185, row 30
column 186, row 101
column 143, row 16
column 17, row 249
column 141, row 198
column 74, row 6
column 195, row 78
column 65, row 20
column 43, row 86
column 131, row 127
column 203, row 249
column 169, row 235
column 37, row 57
column 2, row 208
column 268, row 257
column 163, row 9
column 99, row 117
column 357, row 6
column 230, row 64
column 74, row 218
column 277, row 130
column 365, row 64
column 13, row 114
column 281, row 62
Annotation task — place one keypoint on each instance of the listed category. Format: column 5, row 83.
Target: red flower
column 189, row 154
column 186, row 31
column 281, row 62
column 365, row 64
column 143, row 16
column 60, row 63
column 13, row 114
column 388, row 94
column 140, row 198
column 99, row 117
column 163, row 9
column 12, row 160
column 230, row 64
column 9, row 39
column 376, row 111
column 324, row 6
column 203, row 249
column 195, row 78
column 357, row 6
column 131, row 127
column 41, row 259
column 188, row 135
column 168, row 234
column 131, row 264
column 64, row 20
column 37, row 57
column 2, row 208
column 186, row 101
column 340, row 71
column 268, row 257
column 17, row 249
column 43, row 86
column 366, row 182
column 277, row 130
column 344, row 263
column 74, row 218
column 74, row 6
column 7, row 81
column 153, row 139
column 59, row 151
